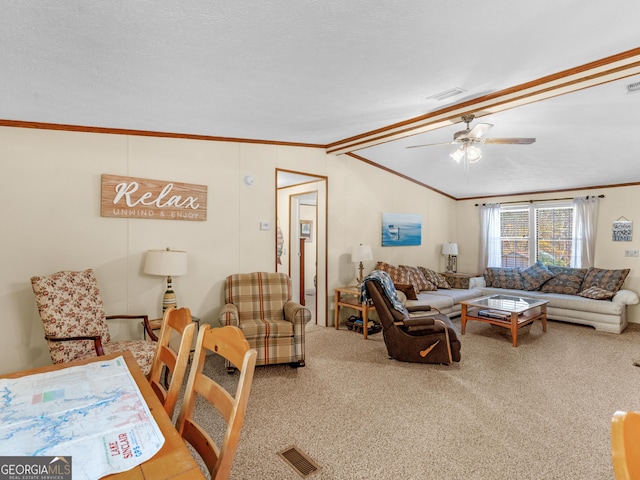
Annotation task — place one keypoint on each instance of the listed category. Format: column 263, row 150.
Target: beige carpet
column 539, row 411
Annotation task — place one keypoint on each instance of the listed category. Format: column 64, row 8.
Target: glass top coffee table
column 508, row 311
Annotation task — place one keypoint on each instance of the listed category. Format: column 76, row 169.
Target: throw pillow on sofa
column 408, row 290
column 392, row 270
column 503, row 278
column 597, row 293
column 567, row 280
column 611, row 280
column 535, row 276
column 401, row 275
column 418, row 280
column 435, row 278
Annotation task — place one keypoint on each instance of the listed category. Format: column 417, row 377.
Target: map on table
column 94, row 413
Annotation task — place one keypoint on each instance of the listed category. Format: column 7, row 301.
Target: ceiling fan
column 470, row 137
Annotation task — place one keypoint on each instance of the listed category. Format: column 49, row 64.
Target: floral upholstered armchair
column 74, row 321
column 260, row 304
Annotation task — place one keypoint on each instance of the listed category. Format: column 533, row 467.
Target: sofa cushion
column 535, row 276
column 433, row 299
column 597, row 293
column 418, row 279
column 434, row 277
column 503, row 278
column 387, row 267
column 567, row 280
column 396, row 276
column 611, row 280
column 404, row 275
column 407, row 289
column 565, row 302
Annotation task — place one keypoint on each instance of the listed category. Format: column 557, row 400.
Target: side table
column 350, row 297
column 458, row 280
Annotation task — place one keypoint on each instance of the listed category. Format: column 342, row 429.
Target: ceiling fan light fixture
column 458, row 154
column 473, row 154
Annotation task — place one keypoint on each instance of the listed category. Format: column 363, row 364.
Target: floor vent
column 300, row 462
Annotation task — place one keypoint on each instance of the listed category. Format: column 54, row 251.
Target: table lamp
column 450, row 249
column 167, row 263
column 361, row 253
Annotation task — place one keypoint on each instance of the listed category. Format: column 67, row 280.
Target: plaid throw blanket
column 384, row 280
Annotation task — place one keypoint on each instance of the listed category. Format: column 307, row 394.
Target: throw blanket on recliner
column 388, row 288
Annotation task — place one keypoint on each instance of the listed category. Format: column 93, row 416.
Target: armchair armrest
column 418, row 321
column 296, row 313
column 422, row 308
column 418, row 308
column 229, row 315
column 145, row 322
column 97, row 342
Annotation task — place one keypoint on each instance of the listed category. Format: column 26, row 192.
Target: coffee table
column 508, row 311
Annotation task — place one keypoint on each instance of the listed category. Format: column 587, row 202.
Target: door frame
column 321, row 233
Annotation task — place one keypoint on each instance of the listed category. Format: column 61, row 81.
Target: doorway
column 301, row 238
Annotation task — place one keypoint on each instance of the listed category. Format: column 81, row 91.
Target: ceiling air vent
column 633, row 87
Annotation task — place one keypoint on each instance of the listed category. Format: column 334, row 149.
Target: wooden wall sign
column 129, row 197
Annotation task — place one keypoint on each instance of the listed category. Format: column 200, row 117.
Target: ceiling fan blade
column 430, row 144
column 515, row 141
column 479, row 130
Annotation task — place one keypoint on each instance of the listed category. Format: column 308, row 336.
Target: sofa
column 592, row 296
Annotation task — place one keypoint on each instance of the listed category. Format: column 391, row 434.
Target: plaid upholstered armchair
column 260, row 304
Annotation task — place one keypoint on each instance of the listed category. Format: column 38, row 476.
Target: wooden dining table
column 173, row 460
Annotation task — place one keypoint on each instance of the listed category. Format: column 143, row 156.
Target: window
column 514, row 237
column 536, row 233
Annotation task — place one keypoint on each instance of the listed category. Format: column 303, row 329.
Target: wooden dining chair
column 625, row 445
column 229, row 343
column 177, row 323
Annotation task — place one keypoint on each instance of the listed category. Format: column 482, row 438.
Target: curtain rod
column 536, row 201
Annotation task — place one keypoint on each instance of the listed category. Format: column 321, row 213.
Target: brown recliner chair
column 422, row 339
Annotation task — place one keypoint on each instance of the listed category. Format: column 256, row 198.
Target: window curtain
column 490, row 254
column 585, row 212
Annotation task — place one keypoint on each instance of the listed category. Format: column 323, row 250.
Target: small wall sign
column 622, row 230
column 129, row 197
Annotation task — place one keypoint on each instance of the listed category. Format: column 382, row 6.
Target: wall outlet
column 631, row 253
column 267, row 226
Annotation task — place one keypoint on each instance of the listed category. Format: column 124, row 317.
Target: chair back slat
column 175, row 323
column 228, row 342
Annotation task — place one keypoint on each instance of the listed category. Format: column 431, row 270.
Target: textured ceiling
column 317, row 72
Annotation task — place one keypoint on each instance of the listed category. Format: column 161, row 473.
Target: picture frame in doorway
column 306, row 230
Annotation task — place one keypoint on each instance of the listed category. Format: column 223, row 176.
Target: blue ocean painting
column 401, row 229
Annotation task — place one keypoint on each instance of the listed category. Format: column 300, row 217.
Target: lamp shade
column 361, row 253
column 449, row 248
column 167, row 263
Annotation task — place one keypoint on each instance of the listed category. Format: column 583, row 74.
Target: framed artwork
column 401, row 229
column 306, row 230
column 622, row 230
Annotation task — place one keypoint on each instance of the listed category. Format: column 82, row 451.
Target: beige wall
column 50, row 192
